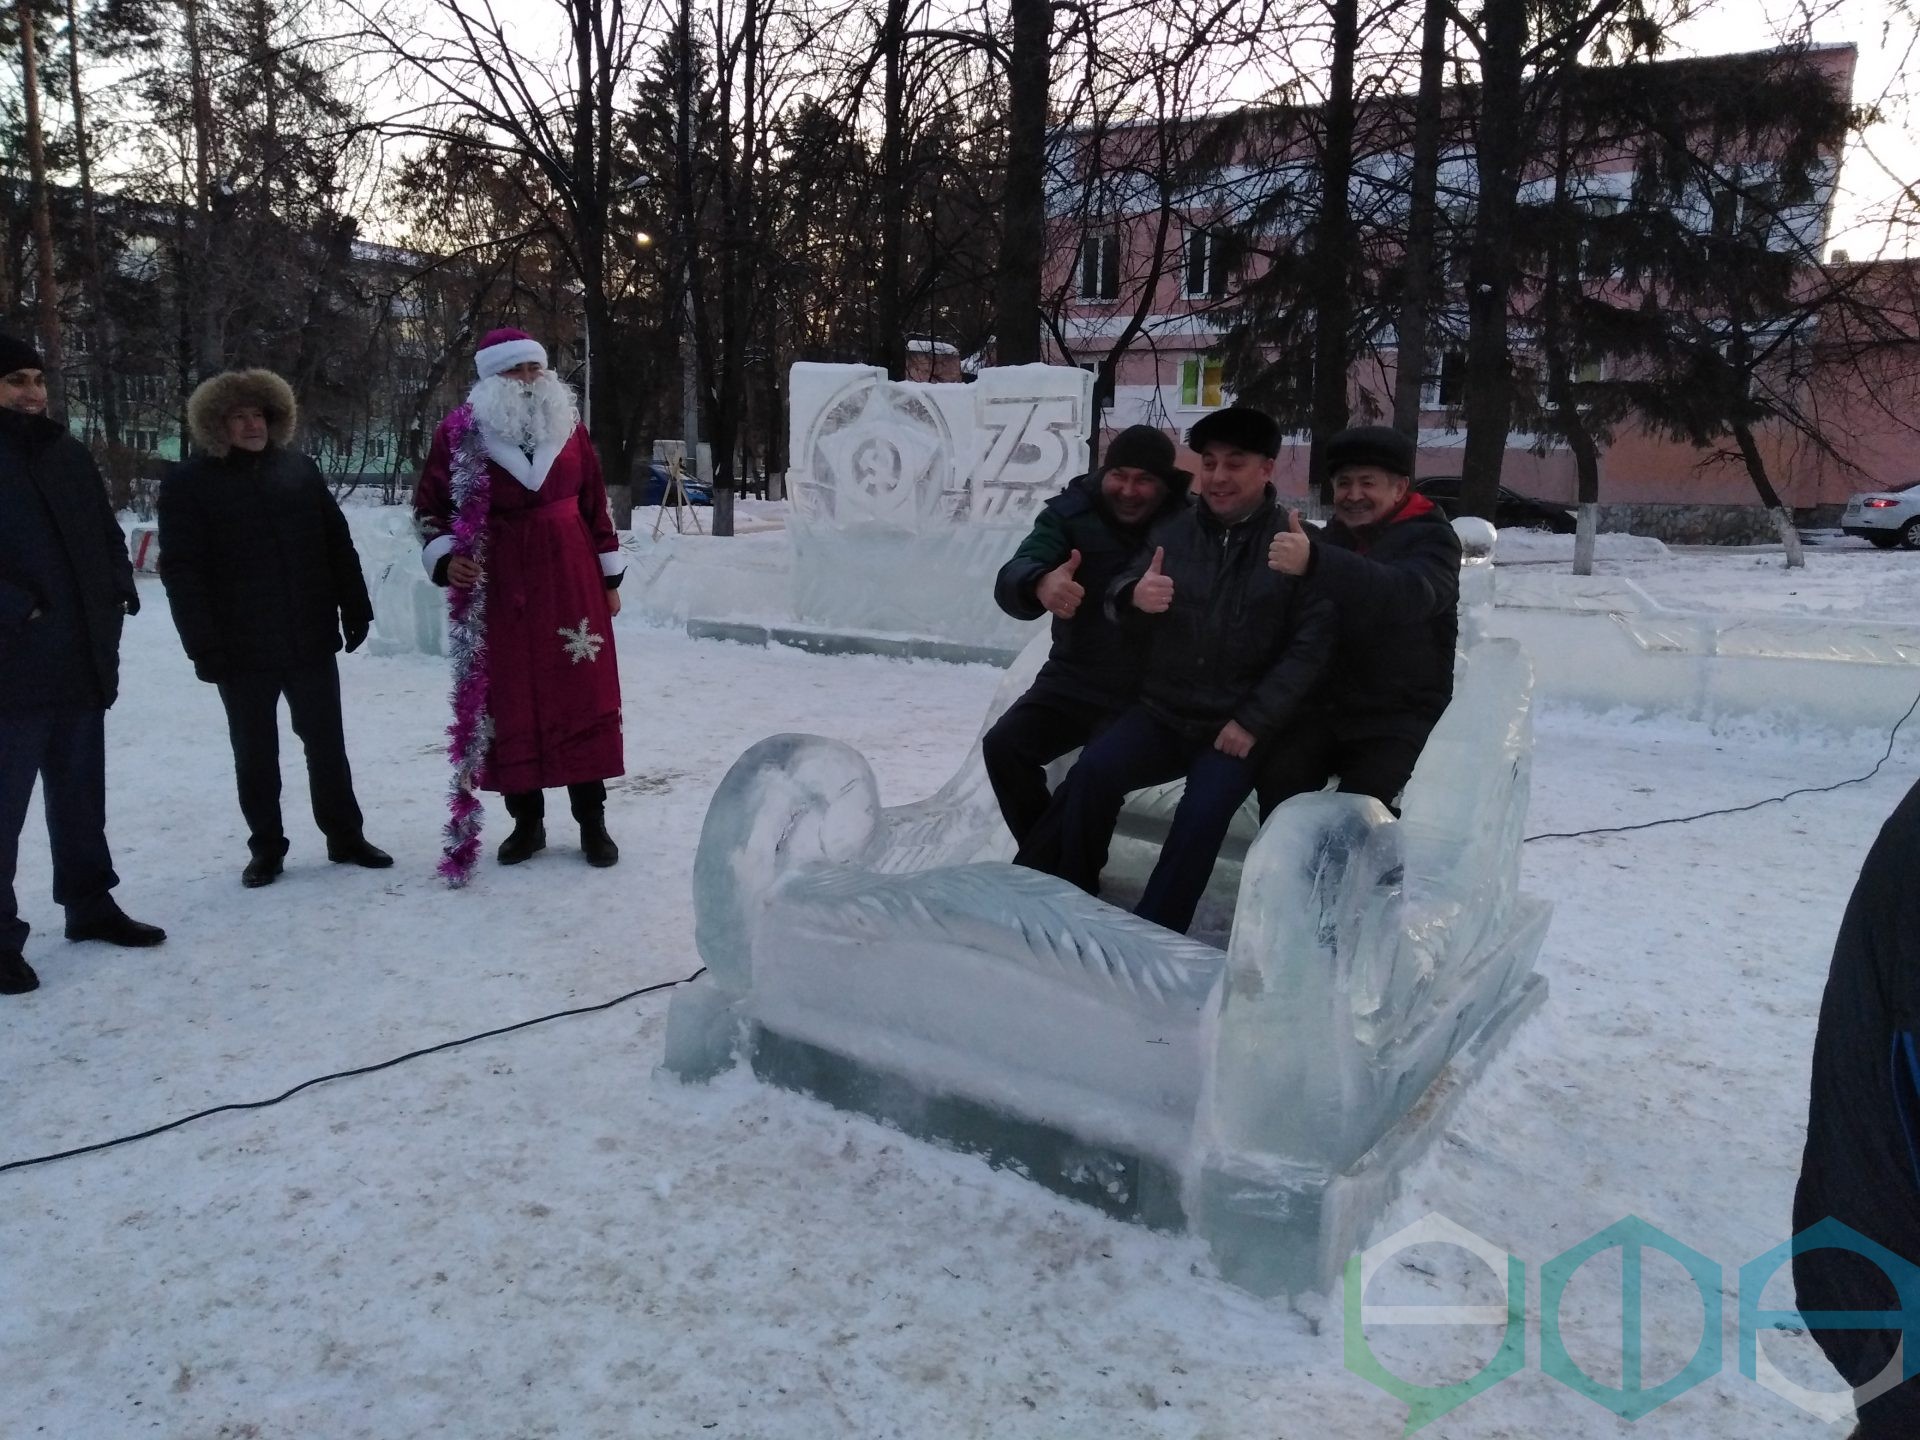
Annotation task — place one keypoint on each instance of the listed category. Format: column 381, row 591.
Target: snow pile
column 1534, row 547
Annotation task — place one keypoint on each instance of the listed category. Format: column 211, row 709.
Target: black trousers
column 253, row 725
column 66, row 750
column 587, row 799
column 1830, row 1280
column 1137, row 750
column 1037, row 729
column 1302, row 757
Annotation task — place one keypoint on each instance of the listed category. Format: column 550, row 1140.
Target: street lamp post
column 689, row 363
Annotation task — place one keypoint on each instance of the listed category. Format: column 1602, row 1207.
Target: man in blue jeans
column 1234, row 649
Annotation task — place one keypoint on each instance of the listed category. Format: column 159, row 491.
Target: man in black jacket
column 1234, row 648
column 65, row 588
column 262, row 576
column 1390, row 563
column 1081, row 541
column 1862, row 1161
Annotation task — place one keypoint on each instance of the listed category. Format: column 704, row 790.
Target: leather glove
column 356, row 633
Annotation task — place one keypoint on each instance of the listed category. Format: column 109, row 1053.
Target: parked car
column 1511, row 510
column 1886, row 517
column 653, row 490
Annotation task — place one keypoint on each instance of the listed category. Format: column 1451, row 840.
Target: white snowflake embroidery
column 582, row 643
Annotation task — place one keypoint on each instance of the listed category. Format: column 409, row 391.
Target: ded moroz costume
column 512, row 483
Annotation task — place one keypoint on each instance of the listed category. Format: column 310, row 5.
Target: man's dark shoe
column 597, row 845
column 528, row 839
column 261, row 870
column 113, row 926
column 16, row 976
column 358, row 852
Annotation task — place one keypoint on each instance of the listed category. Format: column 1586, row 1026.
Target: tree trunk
column 1489, row 400
column 1023, row 203
column 103, row 372
column 1782, row 517
column 1332, row 247
column 689, row 309
column 48, row 296
column 204, row 287
column 889, row 345
column 1410, row 358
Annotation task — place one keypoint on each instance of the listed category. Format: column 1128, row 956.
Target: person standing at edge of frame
column 1862, row 1161
column 552, row 574
column 66, row 588
column 263, row 579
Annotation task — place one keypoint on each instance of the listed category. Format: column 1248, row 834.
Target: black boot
column 595, row 843
column 528, row 809
column 261, row 870
column 114, row 926
column 358, row 852
column 528, row 839
column 16, row 976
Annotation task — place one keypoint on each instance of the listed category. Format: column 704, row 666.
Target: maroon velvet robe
column 553, row 682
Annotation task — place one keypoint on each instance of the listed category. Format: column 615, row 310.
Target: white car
column 1886, row 517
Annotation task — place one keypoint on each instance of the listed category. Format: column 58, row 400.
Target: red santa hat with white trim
column 501, row 350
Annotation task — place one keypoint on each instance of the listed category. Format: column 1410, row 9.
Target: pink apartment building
column 1169, row 375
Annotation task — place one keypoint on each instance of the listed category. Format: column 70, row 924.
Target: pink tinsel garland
column 470, row 735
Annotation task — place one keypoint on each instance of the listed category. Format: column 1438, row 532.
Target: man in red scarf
column 1390, row 562
column 552, row 565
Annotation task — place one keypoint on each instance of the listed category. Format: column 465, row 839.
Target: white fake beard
column 525, row 414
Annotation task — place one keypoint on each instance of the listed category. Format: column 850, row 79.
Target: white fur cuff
column 430, row 555
column 612, row 563
column 497, row 359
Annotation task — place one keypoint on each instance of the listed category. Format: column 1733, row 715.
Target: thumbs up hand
column 1291, row 550
column 1058, row 591
column 1153, row 592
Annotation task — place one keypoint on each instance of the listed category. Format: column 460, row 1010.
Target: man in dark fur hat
column 1390, row 562
column 65, row 589
column 1081, row 540
column 263, row 580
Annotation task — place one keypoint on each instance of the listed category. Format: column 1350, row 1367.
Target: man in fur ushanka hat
column 513, row 512
column 264, row 581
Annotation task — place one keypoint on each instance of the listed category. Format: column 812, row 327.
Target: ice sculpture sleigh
column 1266, row 1096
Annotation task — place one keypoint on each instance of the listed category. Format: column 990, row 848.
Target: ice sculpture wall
column 907, row 497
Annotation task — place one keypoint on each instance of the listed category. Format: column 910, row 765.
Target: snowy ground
column 531, row 1237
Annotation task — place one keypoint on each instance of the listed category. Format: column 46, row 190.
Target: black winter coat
column 1863, row 1112
column 1095, row 656
column 258, row 564
column 61, row 555
column 1396, row 589
column 1241, row 641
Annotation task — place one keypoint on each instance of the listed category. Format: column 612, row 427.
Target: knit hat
column 18, row 354
column 1240, row 426
column 501, row 350
column 1377, row 445
column 1144, row 447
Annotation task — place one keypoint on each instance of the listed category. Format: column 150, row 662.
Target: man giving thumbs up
column 1082, row 539
column 1235, row 649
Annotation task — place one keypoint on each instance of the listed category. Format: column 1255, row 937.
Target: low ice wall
column 1605, row 643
